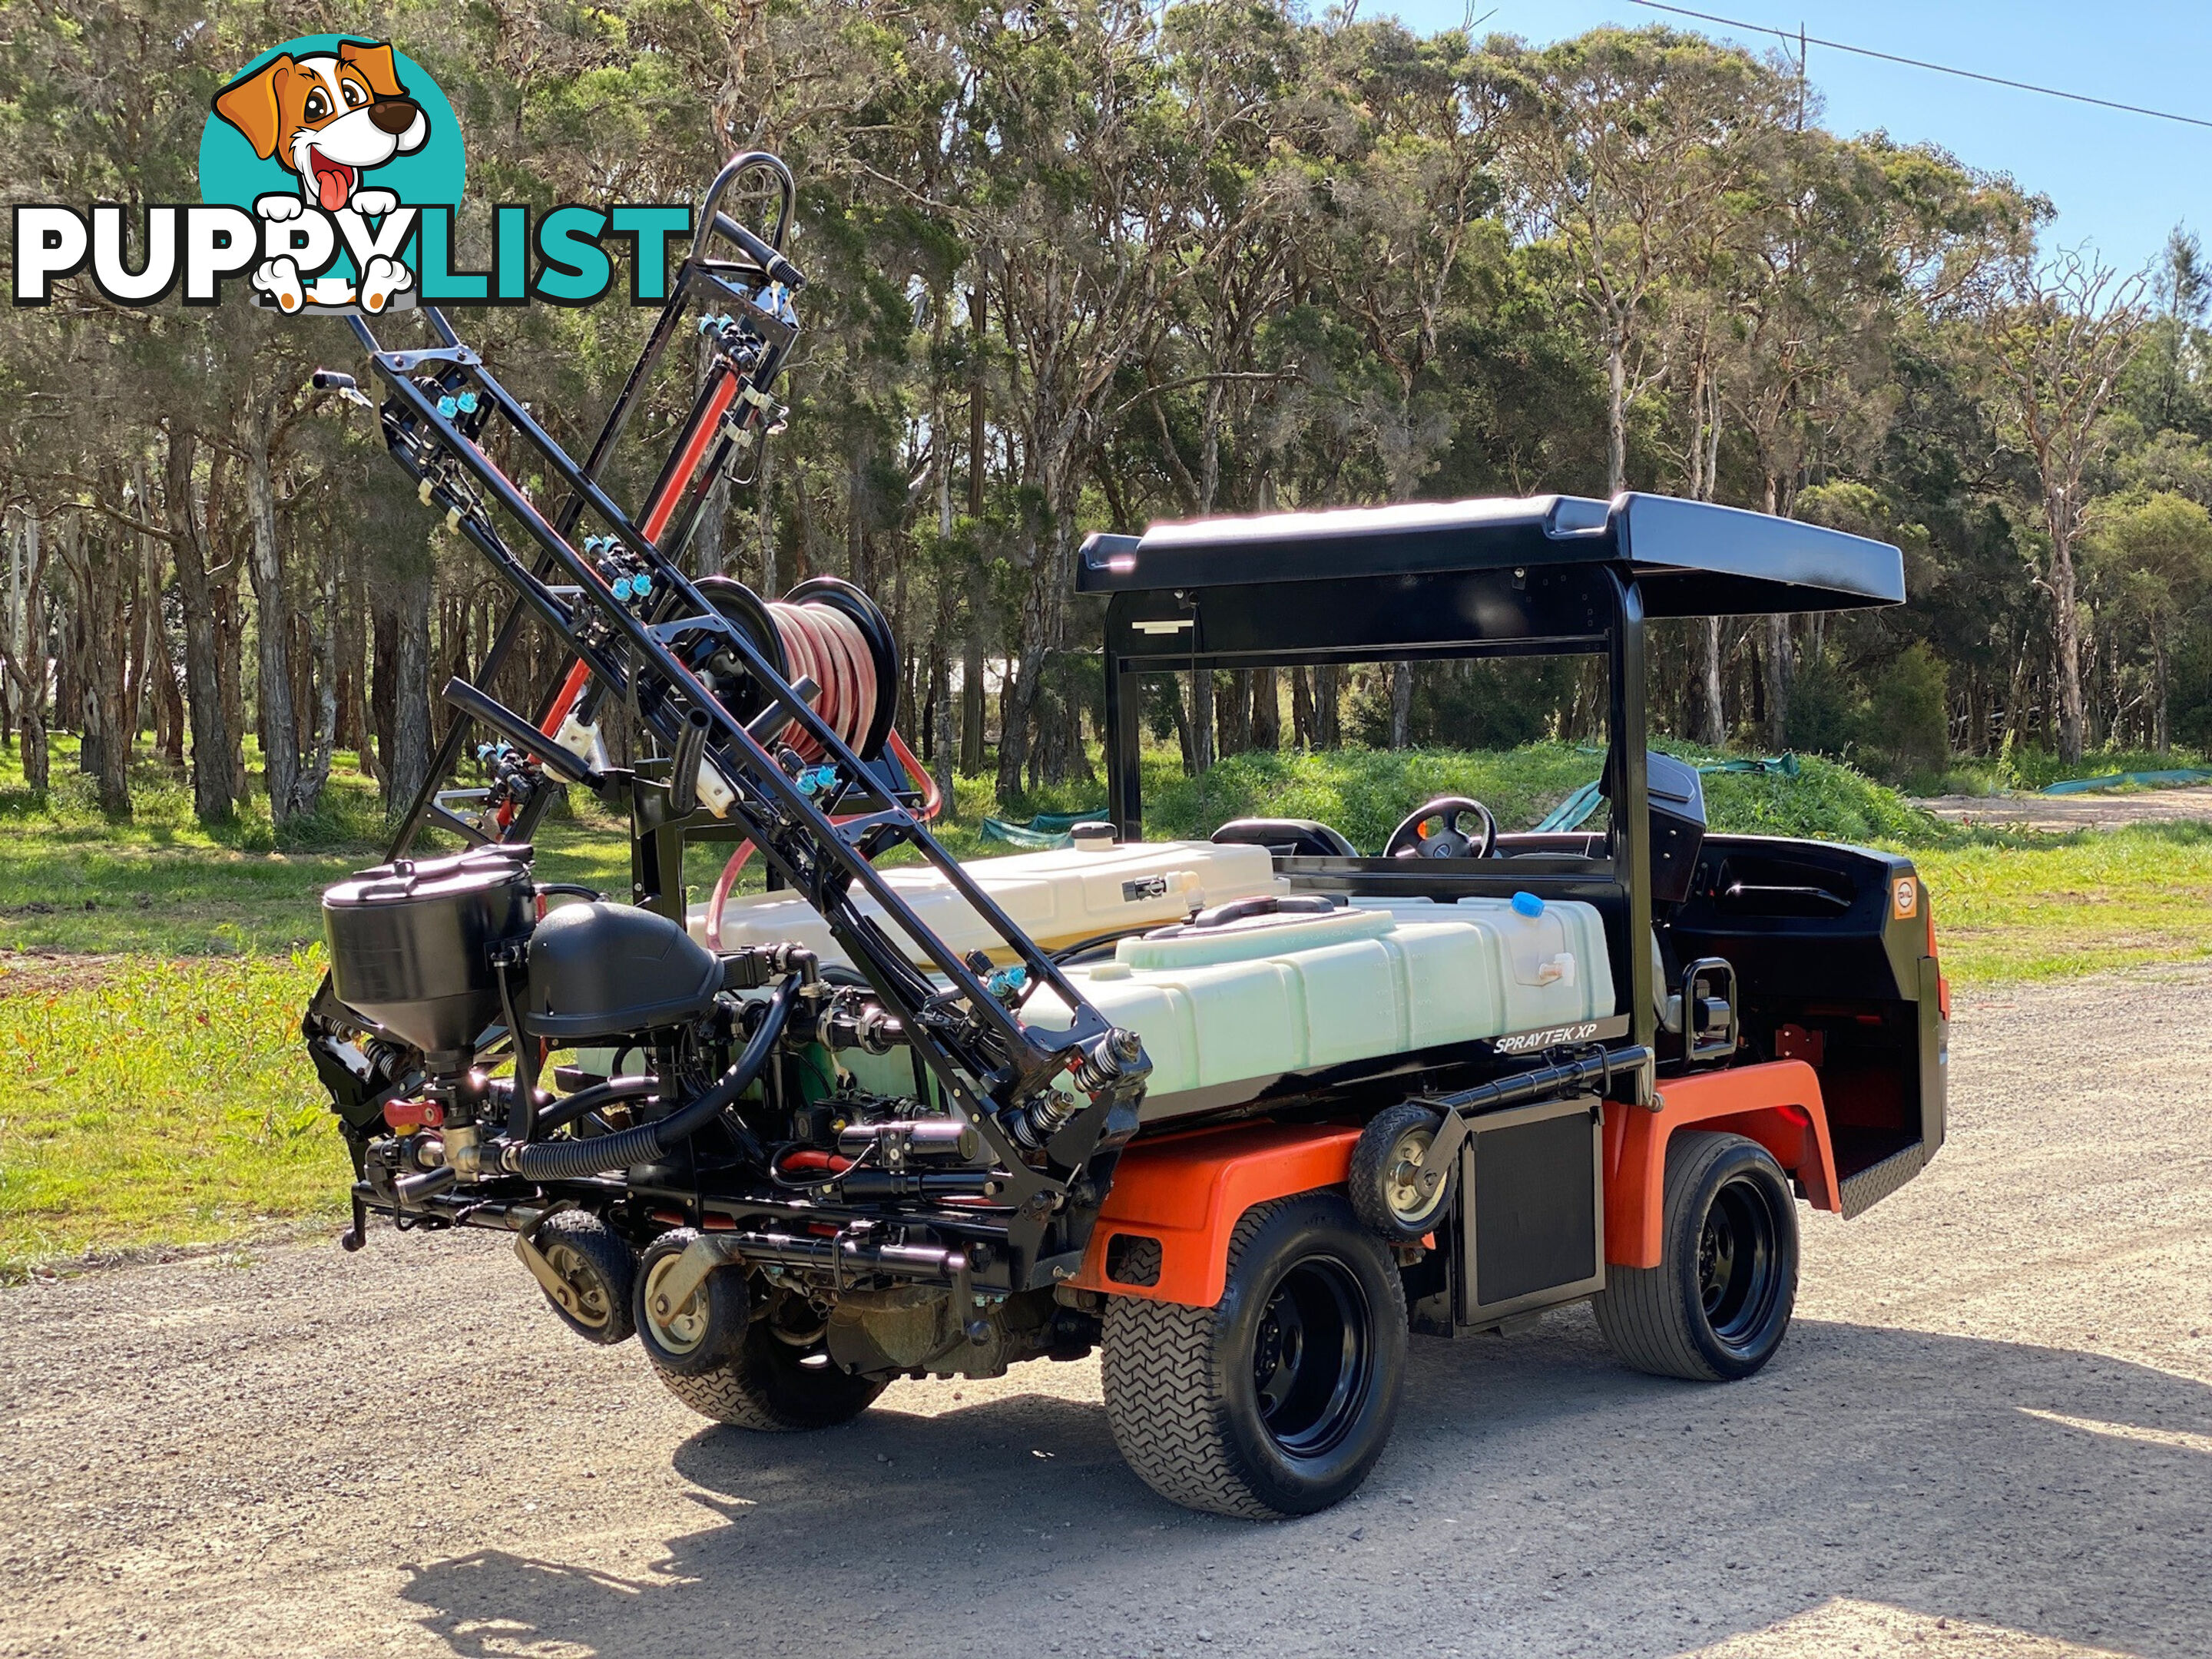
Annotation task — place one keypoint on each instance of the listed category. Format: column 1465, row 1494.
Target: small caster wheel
column 597, row 1267
column 700, row 1334
column 1395, row 1190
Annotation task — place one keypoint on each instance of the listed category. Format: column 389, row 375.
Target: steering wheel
column 1413, row 840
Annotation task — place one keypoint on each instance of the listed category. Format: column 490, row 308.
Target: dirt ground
column 1990, row 1434
column 2064, row 812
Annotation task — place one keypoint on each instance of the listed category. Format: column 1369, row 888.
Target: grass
column 2053, row 907
column 160, row 1103
column 2030, row 769
column 159, row 883
column 153, row 1094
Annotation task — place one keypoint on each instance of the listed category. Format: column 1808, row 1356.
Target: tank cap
column 1093, row 836
column 1528, row 904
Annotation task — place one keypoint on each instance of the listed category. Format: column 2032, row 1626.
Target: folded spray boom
column 773, row 716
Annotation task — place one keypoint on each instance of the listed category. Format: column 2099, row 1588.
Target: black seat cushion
column 1287, row 838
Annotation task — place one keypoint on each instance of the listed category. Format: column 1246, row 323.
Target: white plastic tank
column 1275, row 994
column 1057, row 897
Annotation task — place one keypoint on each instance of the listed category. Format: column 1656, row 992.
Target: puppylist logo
column 330, row 172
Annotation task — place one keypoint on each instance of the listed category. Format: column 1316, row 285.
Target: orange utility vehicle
column 1241, row 1114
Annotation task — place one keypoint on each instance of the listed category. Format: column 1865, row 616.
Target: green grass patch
column 2030, row 769
column 72, row 879
column 160, row 1103
column 2057, row 908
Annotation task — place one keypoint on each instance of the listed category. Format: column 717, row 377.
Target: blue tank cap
column 1528, row 904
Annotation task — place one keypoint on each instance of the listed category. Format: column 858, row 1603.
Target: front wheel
column 1278, row 1401
column 1718, row 1303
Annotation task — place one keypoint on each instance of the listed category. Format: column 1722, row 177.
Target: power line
column 1804, row 40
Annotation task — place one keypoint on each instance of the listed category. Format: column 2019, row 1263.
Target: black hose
column 575, row 1160
column 567, row 1109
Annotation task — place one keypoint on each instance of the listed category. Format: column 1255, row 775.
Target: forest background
column 1081, row 266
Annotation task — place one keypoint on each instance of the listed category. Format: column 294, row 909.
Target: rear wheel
column 1278, row 1401
column 1718, row 1303
column 777, row 1378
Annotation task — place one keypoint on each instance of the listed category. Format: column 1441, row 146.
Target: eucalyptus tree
column 1624, row 148
column 2159, row 552
column 2058, row 334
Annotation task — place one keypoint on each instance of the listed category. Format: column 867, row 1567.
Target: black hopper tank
column 412, row 944
column 604, row 971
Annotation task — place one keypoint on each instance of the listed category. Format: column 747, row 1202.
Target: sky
column 2120, row 182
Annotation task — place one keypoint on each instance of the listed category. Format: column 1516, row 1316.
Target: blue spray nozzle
column 467, row 401
column 449, row 407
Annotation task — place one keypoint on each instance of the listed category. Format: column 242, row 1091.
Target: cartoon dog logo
column 330, row 118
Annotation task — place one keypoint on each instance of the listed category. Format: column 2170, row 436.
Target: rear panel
column 1831, row 948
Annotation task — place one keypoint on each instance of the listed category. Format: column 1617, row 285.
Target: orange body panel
column 1189, row 1191
column 1776, row 1104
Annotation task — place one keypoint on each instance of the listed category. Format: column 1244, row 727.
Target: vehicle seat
column 1287, row 838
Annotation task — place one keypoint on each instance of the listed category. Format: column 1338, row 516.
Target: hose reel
column 827, row 630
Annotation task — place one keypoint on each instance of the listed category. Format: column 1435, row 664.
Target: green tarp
column 1042, row 833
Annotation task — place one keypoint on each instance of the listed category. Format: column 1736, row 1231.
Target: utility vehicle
column 1242, row 1115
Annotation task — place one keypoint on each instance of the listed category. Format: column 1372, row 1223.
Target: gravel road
column 2059, row 813
column 1990, row 1434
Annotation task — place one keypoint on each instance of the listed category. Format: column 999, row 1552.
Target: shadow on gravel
column 1542, row 1499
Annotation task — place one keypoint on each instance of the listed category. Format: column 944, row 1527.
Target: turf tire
column 1181, row 1393
column 1659, row 1319
column 768, row 1385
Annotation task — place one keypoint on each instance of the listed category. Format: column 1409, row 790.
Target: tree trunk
column 279, row 753
column 1201, row 720
column 1616, row 415
column 1267, row 710
column 410, row 675
column 1713, row 727
column 941, row 717
column 212, row 799
column 1302, row 709
column 1237, row 734
column 973, row 708
column 1024, row 688
column 1328, row 696
column 1777, row 659
column 1401, row 704
column 315, row 768
column 2162, row 727
column 2066, row 626
column 383, row 698
column 29, row 657
column 1777, row 665
column 101, row 574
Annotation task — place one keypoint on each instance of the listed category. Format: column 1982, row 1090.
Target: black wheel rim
column 1740, row 1263
column 1313, row 1354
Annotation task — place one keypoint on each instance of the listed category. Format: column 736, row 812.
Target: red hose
column 827, row 646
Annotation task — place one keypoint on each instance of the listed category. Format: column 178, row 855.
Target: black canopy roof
column 1688, row 558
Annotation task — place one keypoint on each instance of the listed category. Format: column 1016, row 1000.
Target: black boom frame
column 820, row 830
